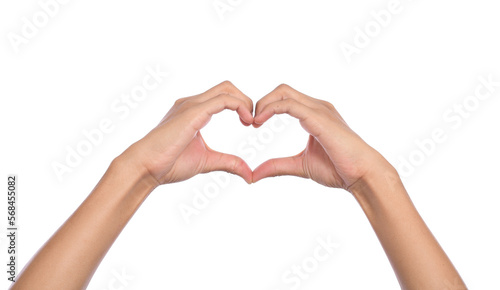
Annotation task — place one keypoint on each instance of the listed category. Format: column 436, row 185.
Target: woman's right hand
column 334, row 156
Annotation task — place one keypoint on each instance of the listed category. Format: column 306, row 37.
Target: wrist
column 380, row 188
column 128, row 167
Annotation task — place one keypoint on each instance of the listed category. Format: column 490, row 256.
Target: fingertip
column 259, row 174
column 243, row 171
column 245, row 123
column 246, row 117
column 249, row 178
column 262, row 117
column 257, row 122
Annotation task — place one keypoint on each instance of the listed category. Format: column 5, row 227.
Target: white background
column 395, row 91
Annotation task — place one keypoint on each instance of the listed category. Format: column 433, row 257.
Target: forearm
column 173, row 151
column 70, row 257
column 415, row 255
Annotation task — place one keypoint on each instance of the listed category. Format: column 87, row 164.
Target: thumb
column 217, row 161
column 280, row 166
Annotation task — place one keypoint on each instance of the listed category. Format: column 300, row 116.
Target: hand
column 175, row 150
column 335, row 156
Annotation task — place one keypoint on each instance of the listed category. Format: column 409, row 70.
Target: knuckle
column 179, row 101
column 222, row 100
column 328, row 105
column 224, row 97
column 226, row 86
column 185, row 103
column 284, row 87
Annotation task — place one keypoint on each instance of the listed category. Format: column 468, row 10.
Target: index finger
column 201, row 113
column 284, row 92
column 225, row 88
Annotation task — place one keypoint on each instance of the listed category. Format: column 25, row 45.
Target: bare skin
column 335, row 156
column 175, row 151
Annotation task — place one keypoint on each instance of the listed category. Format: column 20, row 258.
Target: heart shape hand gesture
column 335, row 156
column 175, row 150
